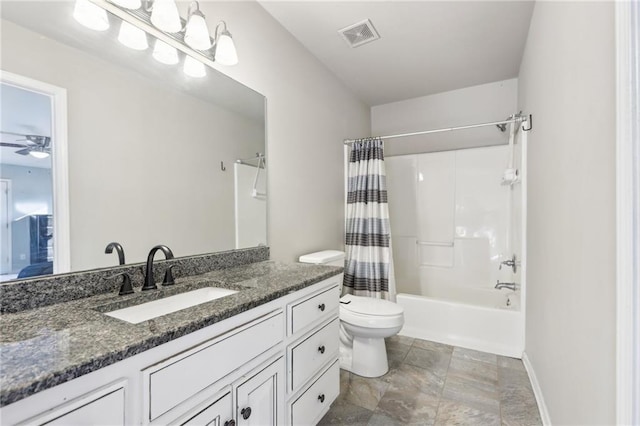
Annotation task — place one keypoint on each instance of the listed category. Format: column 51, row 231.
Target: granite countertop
column 44, row 347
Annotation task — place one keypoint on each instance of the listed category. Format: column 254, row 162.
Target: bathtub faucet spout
column 510, row 286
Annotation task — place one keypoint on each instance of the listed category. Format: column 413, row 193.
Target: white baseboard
column 537, row 391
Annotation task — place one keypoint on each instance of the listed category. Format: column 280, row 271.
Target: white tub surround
column 453, row 227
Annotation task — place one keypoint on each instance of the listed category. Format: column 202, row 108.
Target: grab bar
column 435, row 243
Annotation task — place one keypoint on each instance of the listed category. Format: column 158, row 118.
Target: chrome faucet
column 119, row 250
column 510, row 286
column 149, row 283
column 512, row 263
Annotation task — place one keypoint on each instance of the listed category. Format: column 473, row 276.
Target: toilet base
column 364, row 356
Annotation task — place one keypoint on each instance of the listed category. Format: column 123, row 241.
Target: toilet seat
column 369, row 312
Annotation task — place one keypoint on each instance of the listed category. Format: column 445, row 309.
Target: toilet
column 364, row 324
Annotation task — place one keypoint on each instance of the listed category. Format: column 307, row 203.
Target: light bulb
column 193, row 67
column 226, row 50
column 128, row 4
column 132, row 37
column 197, row 33
column 39, row 154
column 165, row 16
column 91, row 15
column 164, row 53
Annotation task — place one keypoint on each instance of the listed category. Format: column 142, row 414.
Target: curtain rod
column 518, row 119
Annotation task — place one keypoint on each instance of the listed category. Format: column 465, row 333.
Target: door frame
column 627, row 214
column 59, row 163
column 7, row 232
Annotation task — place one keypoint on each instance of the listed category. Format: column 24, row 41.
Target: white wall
column 30, row 190
column 470, row 105
column 309, row 113
column 567, row 82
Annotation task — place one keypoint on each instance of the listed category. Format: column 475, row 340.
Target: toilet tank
column 325, row 257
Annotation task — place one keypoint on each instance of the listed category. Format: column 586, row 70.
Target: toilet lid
column 370, row 306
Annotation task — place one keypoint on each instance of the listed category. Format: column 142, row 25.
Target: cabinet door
column 260, row 399
column 219, row 413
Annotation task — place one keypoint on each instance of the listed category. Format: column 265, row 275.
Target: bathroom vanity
column 265, row 355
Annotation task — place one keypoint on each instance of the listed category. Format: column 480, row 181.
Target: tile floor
column 434, row 384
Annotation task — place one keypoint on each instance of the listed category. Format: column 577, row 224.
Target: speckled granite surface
column 44, row 347
column 19, row 295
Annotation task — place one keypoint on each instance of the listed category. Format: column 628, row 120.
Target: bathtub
column 484, row 319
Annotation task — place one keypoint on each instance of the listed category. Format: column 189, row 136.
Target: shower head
column 502, row 127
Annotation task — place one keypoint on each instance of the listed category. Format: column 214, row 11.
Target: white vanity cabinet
column 275, row 364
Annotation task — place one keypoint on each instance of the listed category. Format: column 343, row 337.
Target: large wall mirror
column 154, row 156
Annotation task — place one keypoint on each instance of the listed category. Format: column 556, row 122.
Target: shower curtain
column 368, row 264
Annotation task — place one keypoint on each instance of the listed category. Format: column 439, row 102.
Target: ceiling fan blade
column 37, row 139
column 13, row 145
column 12, row 133
column 25, row 151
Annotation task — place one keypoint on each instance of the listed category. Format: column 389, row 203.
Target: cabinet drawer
column 314, row 309
column 181, row 377
column 104, row 406
column 315, row 351
column 316, row 400
column 108, row 410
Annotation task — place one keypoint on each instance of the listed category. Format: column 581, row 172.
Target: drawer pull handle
column 246, row 412
column 321, row 349
column 321, row 398
column 321, row 307
column 230, row 423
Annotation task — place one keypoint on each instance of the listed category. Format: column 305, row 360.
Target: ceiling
column 426, row 47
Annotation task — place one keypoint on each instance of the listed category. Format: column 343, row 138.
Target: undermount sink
column 146, row 311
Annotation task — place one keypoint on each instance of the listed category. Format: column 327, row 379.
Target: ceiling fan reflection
column 35, row 145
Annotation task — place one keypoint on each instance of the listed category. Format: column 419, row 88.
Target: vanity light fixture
column 193, row 67
column 90, row 15
column 196, row 33
column 132, row 36
column 128, row 4
column 224, row 48
column 164, row 53
column 165, row 16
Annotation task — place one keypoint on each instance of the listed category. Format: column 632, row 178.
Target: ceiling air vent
column 358, row 34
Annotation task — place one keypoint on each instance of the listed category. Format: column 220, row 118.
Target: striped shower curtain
column 368, row 236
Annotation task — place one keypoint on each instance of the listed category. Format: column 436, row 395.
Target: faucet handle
column 126, row 287
column 168, row 276
column 513, row 263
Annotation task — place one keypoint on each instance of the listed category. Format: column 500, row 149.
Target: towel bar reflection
column 435, row 243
